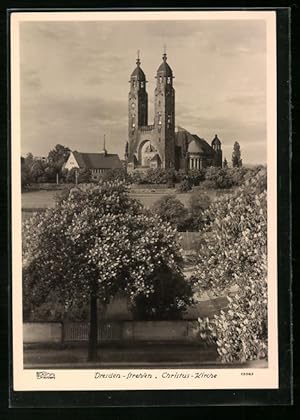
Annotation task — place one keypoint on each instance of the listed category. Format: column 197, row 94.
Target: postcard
column 144, row 200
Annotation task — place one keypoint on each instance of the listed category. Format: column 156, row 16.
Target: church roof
column 164, row 68
column 139, row 74
column 195, row 143
column 199, row 145
column 97, row 160
column 216, row 140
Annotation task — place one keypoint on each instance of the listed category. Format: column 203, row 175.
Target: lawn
column 43, row 199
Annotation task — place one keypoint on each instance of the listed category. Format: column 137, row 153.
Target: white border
column 264, row 378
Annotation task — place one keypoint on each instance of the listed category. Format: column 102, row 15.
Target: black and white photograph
column 144, row 200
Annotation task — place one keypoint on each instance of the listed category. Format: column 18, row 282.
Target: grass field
column 44, row 199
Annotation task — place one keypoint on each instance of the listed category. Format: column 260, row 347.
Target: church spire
column 164, row 57
column 104, row 151
column 138, row 61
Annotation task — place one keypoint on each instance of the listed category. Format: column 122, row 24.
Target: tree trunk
column 93, row 332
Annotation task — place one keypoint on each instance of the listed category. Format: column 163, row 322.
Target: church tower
column 164, row 113
column 137, row 107
column 217, row 147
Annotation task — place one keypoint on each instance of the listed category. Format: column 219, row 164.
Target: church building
column 162, row 144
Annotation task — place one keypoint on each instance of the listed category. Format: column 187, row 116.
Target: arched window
column 169, row 80
column 160, row 79
column 142, row 84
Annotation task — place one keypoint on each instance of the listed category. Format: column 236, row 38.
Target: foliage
column 184, row 186
column 198, row 203
column 233, row 252
column 117, row 174
column 172, row 210
column 156, row 176
column 94, row 243
column 58, row 156
column 153, row 176
column 171, row 296
column 36, row 170
column 236, row 156
column 84, row 175
column 195, row 177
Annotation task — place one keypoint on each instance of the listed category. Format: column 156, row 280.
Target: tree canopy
column 94, row 243
column 233, row 253
column 236, row 156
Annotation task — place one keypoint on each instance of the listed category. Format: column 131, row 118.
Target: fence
column 125, row 331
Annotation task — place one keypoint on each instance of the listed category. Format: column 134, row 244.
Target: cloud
column 74, row 80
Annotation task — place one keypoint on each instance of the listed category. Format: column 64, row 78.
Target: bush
column 170, row 297
column 208, row 185
column 198, row 203
column 117, row 174
column 233, row 252
column 195, row 176
column 184, row 186
column 170, row 209
column 84, row 176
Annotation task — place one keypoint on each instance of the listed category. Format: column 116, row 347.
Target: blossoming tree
column 234, row 253
column 91, row 245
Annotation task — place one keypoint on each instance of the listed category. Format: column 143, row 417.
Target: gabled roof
column 97, row 160
column 195, row 143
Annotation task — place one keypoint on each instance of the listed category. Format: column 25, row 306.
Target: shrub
column 170, row 297
column 233, row 252
column 195, row 176
column 198, row 203
column 117, row 174
column 170, row 209
column 184, row 186
column 208, row 185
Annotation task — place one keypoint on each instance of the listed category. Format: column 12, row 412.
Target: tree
column 37, row 171
column 93, row 244
column 171, row 296
column 170, row 209
column 236, row 156
column 57, row 157
column 198, row 203
column 233, row 252
column 25, row 177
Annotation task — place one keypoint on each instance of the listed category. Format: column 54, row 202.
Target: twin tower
column 151, row 146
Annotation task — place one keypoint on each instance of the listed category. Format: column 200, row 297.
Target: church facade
column 163, row 144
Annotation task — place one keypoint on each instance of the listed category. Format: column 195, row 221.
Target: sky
column 74, row 81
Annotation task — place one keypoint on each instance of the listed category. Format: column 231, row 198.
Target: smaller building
column 98, row 163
